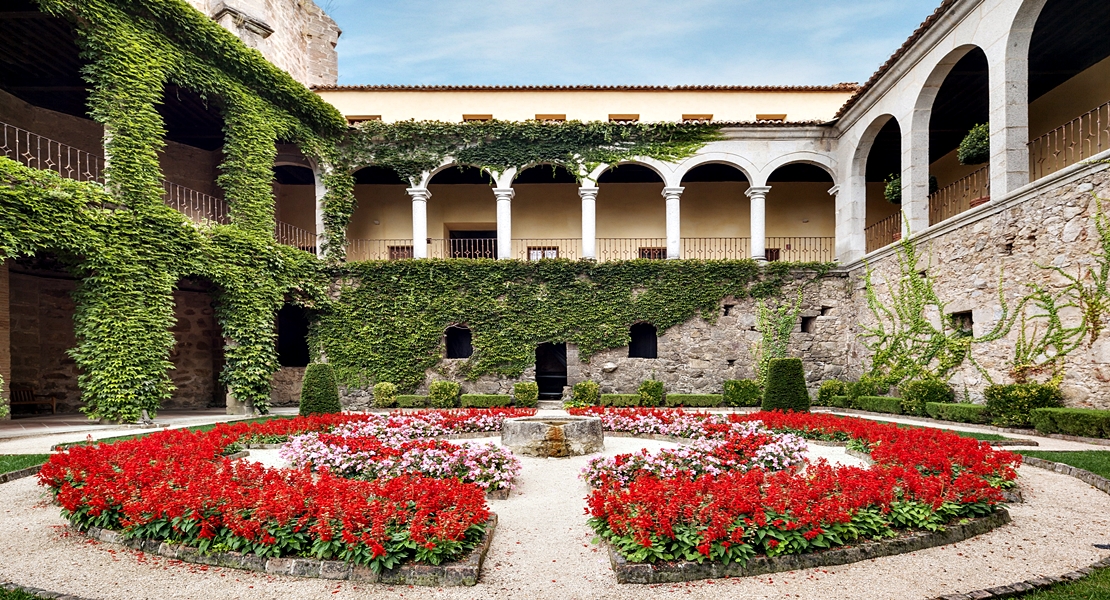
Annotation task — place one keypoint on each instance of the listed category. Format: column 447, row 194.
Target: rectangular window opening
column 356, row 119
column 962, row 322
column 477, row 118
column 779, row 117
column 542, row 252
column 774, row 254
column 551, row 117
column 809, row 324
column 653, row 253
column 400, row 252
column 695, row 118
column 623, row 118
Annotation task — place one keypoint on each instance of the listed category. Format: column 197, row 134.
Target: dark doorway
column 551, row 369
column 644, row 341
column 292, row 336
column 459, row 343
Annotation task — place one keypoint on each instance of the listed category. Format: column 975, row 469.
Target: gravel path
column 542, row 550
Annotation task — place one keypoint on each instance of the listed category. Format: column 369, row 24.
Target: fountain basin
column 553, row 437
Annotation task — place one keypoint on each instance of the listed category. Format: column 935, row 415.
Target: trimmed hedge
column 958, row 412
column 1010, row 405
column 526, row 394
column 319, row 391
column 651, row 393
column 412, row 401
column 830, row 389
column 486, row 400
column 698, row 400
column 840, row 402
column 880, row 404
column 742, row 392
column 867, row 386
column 385, row 395
column 916, row 394
column 587, row 392
column 620, row 400
column 786, row 386
column 1086, row 422
column 443, row 394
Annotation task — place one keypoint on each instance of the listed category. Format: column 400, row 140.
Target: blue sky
column 657, row 42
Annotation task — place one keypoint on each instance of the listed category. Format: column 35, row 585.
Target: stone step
column 550, row 405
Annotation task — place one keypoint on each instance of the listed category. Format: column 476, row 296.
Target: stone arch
column 821, row 161
column 660, row 168
column 736, row 161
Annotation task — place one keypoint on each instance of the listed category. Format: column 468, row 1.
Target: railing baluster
column 1077, row 140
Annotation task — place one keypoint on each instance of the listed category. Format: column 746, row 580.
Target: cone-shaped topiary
column 786, row 386
column 319, row 392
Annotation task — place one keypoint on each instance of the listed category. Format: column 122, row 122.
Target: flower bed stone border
column 20, row 474
column 465, row 572
column 38, row 593
column 680, row 571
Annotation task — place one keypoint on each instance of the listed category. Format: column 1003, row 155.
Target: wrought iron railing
column 537, row 249
column 1070, row 143
column 801, row 249
column 38, row 152
column 884, row 233
column 379, row 249
column 716, row 248
column 198, row 206
column 960, row 196
column 609, row 249
column 462, row 248
column 291, row 235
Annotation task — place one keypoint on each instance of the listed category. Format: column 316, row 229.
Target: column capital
column 834, row 190
column 588, row 193
column 419, row 193
column 504, row 193
column 672, row 191
column 759, row 190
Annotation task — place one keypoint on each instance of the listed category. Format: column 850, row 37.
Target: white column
column 318, row 173
column 758, row 197
column 915, row 176
column 674, row 222
column 851, row 218
column 1009, row 119
column 504, row 222
column 419, row 221
column 589, row 222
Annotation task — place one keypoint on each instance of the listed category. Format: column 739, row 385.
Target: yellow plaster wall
column 716, row 210
column 585, row 105
column 947, row 169
column 296, row 205
column 789, row 204
column 1073, row 98
column 547, row 211
column 877, row 206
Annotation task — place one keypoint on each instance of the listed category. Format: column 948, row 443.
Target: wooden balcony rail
column 609, row 249
column 801, row 249
column 884, row 233
column 1070, row 143
column 960, row 196
column 37, row 152
column 291, row 235
column 716, row 248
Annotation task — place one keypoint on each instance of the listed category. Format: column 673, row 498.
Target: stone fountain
column 553, row 437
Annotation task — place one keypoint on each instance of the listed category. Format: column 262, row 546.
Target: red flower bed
column 176, row 485
column 922, row 479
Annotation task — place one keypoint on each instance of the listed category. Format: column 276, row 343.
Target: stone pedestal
column 553, row 437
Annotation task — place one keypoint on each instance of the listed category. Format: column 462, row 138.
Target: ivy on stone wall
column 388, row 322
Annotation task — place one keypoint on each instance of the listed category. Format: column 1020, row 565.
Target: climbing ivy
column 388, row 321
column 775, row 324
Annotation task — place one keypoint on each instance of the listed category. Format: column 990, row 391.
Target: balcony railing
column 1071, row 143
column 716, row 248
column 884, row 233
column 198, row 206
column 801, row 249
column 291, row 235
column 960, row 196
column 537, row 249
column 37, row 152
column 379, row 249
column 609, row 249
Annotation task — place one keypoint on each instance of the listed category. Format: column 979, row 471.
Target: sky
column 610, row 42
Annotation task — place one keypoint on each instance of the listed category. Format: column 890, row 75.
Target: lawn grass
column 16, row 595
column 1095, row 461
column 1095, row 587
column 15, row 462
column 977, row 435
column 197, row 428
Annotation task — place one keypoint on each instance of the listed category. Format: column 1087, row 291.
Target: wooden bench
column 23, row 395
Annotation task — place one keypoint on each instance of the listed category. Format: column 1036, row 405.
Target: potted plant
column 975, row 149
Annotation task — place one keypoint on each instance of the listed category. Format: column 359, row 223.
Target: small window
column 292, row 336
column 809, row 324
column 653, row 253
column 962, row 322
column 826, row 311
column 771, row 117
column 542, row 252
column 773, row 254
column 645, row 341
column 469, row 118
column 458, row 342
column 728, row 308
column 400, row 252
column 696, row 118
column 551, row 117
column 623, row 118
column 356, row 119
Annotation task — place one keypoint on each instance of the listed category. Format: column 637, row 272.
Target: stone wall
column 295, row 35
column 41, row 334
column 286, row 390
column 197, row 355
column 1050, row 224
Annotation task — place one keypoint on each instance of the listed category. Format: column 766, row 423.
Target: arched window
column 458, row 342
column 645, row 341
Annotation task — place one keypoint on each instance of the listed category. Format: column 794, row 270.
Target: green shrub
column 385, row 395
column 526, row 394
column 829, row 389
column 975, row 148
column 486, row 400
column 960, row 413
column 1086, row 422
column 880, row 404
column 1009, row 405
column 443, row 394
column 412, row 401
column 698, row 400
column 742, row 392
column 319, row 391
column 840, row 402
column 620, row 400
column 916, row 394
column 586, row 392
column 866, row 386
column 786, row 386
column 651, row 393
